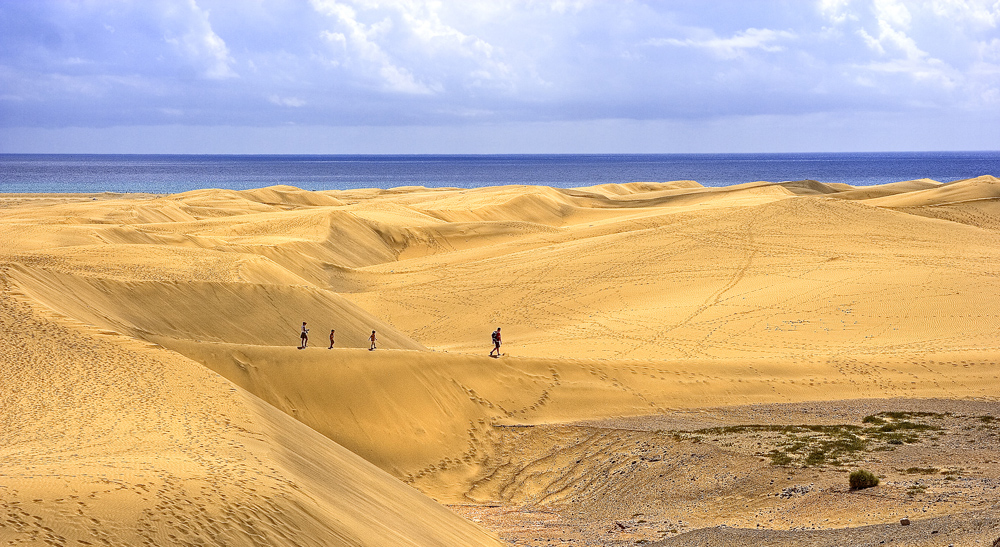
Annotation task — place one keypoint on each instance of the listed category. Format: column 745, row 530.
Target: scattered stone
column 904, row 521
column 796, row 490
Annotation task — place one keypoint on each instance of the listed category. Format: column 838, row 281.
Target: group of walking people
column 304, row 338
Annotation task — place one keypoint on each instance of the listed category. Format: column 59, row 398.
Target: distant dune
column 154, row 393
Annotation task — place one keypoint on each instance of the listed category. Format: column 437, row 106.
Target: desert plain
column 681, row 365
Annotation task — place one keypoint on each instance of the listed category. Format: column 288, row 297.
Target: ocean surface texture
column 167, row 174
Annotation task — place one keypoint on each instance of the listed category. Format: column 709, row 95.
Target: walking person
column 304, row 337
column 372, row 338
column 331, row 338
column 496, row 343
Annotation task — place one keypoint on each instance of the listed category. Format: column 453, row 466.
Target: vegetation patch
column 861, row 479
column 920, row 470
column 825, row 445
column 910, row 415
column 779, row 458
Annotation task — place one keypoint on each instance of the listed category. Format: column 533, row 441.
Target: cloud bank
column 465, row 66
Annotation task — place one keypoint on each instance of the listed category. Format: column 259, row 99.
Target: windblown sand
column 681, row 366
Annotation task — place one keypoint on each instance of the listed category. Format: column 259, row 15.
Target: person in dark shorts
column 496, row 343
column 331, row 338
column 372, row 338
column 304, row 337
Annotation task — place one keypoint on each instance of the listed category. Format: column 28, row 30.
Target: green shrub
column 779, row 458
column 920, row 470
column 816, row 457
column 862, row 478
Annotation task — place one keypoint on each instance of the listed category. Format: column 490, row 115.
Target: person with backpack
column 496, row 343
column 304, row 337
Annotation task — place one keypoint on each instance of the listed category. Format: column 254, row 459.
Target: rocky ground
column 776, row 474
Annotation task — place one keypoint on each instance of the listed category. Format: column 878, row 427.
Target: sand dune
column 440, row 439
column 869, row 192
column 140, row 333
column 975, row 202
column 814, row 187
column 790, row 278
column 107, row 440
column 611, row 190
column 979, row 188
column 242, row 313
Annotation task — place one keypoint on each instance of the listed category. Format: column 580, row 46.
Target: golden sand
column 153, row 391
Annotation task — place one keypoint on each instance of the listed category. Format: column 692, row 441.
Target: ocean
column 168, row 174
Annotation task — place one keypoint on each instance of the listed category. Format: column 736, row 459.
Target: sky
column 498, row 76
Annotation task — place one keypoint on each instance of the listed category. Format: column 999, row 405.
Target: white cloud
column 568, row 6
column 891, row 39
column 202, row 45
column 926, row 70
column 360, row 40
column 836, row 10
column 734, row 46
column 989, row 51
column 981, row 13
column 424, row 21
column 293, row 102
column 888, row 28
column 893, row 13
column 434, row 62
column 411, row 46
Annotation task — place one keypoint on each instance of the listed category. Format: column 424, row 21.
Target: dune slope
column 110, row 441
column 241, row 313
column 975, row 202
column 430, row 418
column 790, row 278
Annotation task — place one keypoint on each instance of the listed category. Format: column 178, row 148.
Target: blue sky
column 498, row 76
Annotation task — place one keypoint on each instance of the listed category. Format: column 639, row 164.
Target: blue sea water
column 164, row 174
